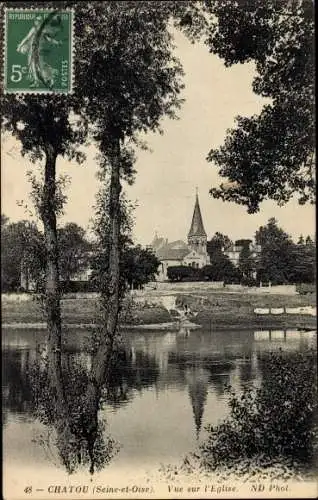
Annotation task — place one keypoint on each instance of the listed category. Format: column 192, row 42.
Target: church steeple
column 197, row 228
column 197, row 238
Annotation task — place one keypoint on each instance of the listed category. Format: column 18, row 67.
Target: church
column 178, row 253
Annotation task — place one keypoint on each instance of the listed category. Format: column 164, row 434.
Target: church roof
column 177, row 244
column 168, row 253
column 197, row 228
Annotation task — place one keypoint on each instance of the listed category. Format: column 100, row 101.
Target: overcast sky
column 167, row 177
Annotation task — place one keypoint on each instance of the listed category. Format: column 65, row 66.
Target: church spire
column 197, row 228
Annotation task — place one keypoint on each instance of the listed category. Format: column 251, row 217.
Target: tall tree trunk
column 52, row 285
column 111, row 305
column 111, row 302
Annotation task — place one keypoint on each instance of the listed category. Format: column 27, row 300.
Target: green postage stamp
column 38, row 51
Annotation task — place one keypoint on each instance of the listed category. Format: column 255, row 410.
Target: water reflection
column 132, row 370
column 16, row 393
column 191, row 367
column 66, row 403
column 197, row 379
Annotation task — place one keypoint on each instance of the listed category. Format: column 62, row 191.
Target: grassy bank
column 216, row 310
column 223, row 310
column 78, row 310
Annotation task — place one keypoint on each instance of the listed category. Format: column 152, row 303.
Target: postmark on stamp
column 38, row 51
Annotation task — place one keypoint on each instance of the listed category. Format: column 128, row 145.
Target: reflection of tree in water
column 246, row 373
column 79, row 436
column 219, row 381
column 16, row 390
column 77, row 433
column 219, row 373
column 130, row 371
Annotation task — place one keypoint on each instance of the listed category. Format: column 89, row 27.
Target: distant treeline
column 278, row 259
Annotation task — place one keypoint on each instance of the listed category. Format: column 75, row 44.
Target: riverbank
column 215, row 310
column 221, row 311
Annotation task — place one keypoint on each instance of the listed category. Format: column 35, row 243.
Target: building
column 178, row 253
column 233, row 252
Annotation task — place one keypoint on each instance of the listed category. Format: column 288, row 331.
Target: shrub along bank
column 274, row 424
column 271, row 432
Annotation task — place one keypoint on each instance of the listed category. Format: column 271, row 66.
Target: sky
column 168, row 175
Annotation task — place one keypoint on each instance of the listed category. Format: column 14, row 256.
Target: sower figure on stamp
column 33, row 46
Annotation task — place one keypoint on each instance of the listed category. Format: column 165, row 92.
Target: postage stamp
column 38, row 51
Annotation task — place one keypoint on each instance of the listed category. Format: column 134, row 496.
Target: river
column 168, row 387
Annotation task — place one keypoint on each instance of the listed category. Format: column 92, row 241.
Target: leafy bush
column 221, row 269
column 183, row 273
column 248, row 281
column 278, row 420
column 304, row 288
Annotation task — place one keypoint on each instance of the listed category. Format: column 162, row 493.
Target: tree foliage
column 243, row 243
column 303, row 268
column 22, row 254
column 126, row 79
column 74, row 250
column 140, row 266
column 246, row 262
column 281, row 260
column 217, row 244
column 270, row 155
column 275, row 257
column 221, row 269
column 183, row 273
column 137, row 265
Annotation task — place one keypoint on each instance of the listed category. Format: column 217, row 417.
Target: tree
column 221, row 269
column 301, row 240
column 74, row 250
column 283, row 261
column 309, row 242
column 246, row 262
column 303, row 264
column 136, row 81
column 218, row 243
column 276, row 257
column 183, row 273
column 139, row 266
column 270, row 155
column 243, row 243
column 22, row 255
column 4, row 220
column 48, row 126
